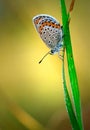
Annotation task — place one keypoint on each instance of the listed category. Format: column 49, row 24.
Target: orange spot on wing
column 40, row 29
column 57, row 25
column 54, row 25
column 37, row 20
column 48, row 24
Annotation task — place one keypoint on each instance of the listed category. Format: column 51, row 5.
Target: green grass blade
column 69, row 107
column 71, row 66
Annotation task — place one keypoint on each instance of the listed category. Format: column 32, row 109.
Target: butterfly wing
column 49, row 29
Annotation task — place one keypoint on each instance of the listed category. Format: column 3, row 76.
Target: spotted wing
column 49, row 29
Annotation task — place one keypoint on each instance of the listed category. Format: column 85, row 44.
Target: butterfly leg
column 62, row 50
column 60, row 56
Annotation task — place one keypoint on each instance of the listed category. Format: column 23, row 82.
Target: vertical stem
column 71, row 65
column 68, row 103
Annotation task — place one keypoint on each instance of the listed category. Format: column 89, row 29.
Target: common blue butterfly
column 50, row 31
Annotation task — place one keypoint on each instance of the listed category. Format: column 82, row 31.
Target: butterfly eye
column 52, row 51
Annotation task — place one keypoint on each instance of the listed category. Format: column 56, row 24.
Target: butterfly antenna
column 44, row 56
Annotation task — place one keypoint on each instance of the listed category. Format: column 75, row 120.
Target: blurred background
column 31, row 94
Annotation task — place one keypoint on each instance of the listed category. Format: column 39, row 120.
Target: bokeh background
column 31, row 94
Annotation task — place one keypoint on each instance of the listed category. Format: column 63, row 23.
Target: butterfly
column 50, row 31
